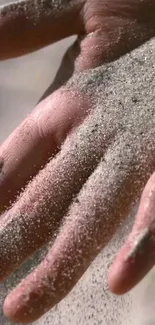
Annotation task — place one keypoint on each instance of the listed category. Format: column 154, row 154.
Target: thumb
column 28, row 25
column 137, row 256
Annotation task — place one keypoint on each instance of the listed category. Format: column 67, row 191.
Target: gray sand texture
column 90, row 301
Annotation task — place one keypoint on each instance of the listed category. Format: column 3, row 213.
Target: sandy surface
column 22, row 83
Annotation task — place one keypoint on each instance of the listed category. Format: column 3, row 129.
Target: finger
column 89, row 225
column 28, row 25
column 36, row 140
column 34, row 218
column 137, row 257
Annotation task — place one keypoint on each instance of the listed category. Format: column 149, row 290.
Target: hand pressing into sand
column 83, row 156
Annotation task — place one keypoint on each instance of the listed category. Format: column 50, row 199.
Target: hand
column 84, row 154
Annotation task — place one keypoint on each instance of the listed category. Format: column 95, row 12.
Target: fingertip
column 118, row 278
column 133, row 262
column 10, row 310
column 137, row 257
column 15, row 308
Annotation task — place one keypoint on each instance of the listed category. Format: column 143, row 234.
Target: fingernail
column 1, row 165
column 139, row 243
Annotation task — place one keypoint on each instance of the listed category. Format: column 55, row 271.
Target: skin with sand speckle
column 81, row 160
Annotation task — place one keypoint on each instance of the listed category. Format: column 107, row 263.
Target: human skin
column 106, row 31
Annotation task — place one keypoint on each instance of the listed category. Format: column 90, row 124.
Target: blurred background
column 22, row 83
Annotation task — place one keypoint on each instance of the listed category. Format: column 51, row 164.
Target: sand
column 122, row 116
column 114, row 147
